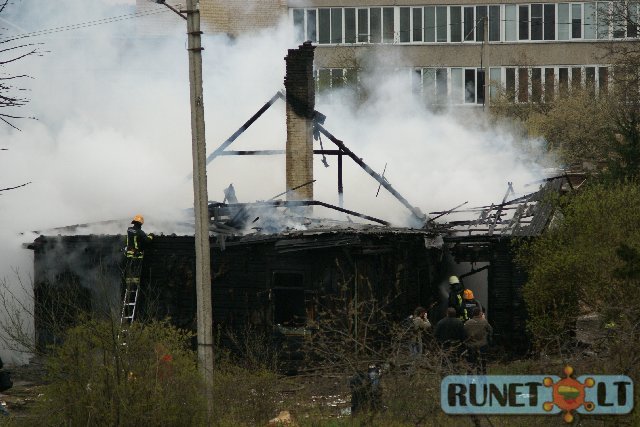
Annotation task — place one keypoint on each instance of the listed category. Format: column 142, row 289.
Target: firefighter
column 455, row 296
column 137, row 241
column 469, row 303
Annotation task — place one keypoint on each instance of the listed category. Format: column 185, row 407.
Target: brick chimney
column 300, row 87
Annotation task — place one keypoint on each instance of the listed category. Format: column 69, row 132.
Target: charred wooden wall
column 247, row 276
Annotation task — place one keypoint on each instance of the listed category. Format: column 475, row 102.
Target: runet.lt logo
column 537, row 394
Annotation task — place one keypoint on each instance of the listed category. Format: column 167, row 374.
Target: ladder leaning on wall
column 129, row 301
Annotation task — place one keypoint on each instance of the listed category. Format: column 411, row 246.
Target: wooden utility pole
column 201, row 208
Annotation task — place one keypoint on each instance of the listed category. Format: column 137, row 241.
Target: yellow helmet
column 453, row 280
column 138, row 218
column 467, row 294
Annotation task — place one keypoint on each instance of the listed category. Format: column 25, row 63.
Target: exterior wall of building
column 535, row 49
column 233, row 17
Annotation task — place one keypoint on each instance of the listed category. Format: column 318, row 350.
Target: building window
column 495, row 80
column 536, row 85
column 481, row 14
column 336, row 25
column 602, row 16
column 576, row 21
column 470, row 86
column 350, row 25
column 363, row 25
column 523, row 85
column 510, row 83
column 564, row 23
column 457, row 86
column 523, row 22
column 388, row 17
column 311, row 25
column 549, row 21
column 469, row 24
column 441, row 23
column 576, row 78
column 324, row 26
column 536, row 22
column 375, row 25
column 456, row 23
column 480, row 86
column 430, row 24
column 417, row 24
column 434, row 85
column 298, row 24
column 549, row 84
column 510, row 22
column 603, row 79
column 494, row 23
column 563, row 80
column 590, row 29
column 405, row 25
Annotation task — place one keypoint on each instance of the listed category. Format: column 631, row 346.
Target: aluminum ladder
column 129, row 302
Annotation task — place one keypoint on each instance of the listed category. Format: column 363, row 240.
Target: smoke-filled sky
column 112, row 137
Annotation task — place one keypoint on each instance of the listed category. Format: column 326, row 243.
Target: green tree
column 588, row 262
column 149, row 378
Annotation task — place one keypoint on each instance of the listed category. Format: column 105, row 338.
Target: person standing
column 478, row 332
column 421, row 326
column 455, row 295
column 449, row 331
column 469, row 303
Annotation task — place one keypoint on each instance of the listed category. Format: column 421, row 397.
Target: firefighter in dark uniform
column 137, row 241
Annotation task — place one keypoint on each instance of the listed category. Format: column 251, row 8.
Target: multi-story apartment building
column 451, row 49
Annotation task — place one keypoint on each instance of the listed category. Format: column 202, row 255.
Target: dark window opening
column 576, row 21
column 536, row 84
column 549, row 84
column 523, row 23
column 311, row 25
column 336, row 25
column 417, row 24
column 470, row 86
column 405, row 24
column 363, row 26
column 480, row 87
column 324, row 26
column 469, row 24
column 387, row 24
column 603, row 79
column 563, row 80
column 549, row 21
column 375, row 19
column 523, row 85
column 481, row 14
column 456, row 23
column 510, row 83
column 576, row 78
column 494, row 23
column 441, row 23
column 350, row 25
column 536, row 22
column 298, row 24
column 441, row 85
column 289, row 307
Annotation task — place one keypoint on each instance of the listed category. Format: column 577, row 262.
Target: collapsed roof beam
column 298, row 203
column 415, row 211
column 245, row 126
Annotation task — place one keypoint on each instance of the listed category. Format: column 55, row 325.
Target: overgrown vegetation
column 147, row 377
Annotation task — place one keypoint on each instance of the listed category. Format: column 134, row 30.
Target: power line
column 82, row 25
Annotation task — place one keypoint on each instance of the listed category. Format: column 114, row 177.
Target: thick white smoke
column 112, row 136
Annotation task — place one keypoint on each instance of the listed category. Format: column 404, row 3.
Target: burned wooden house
column 271, row 270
